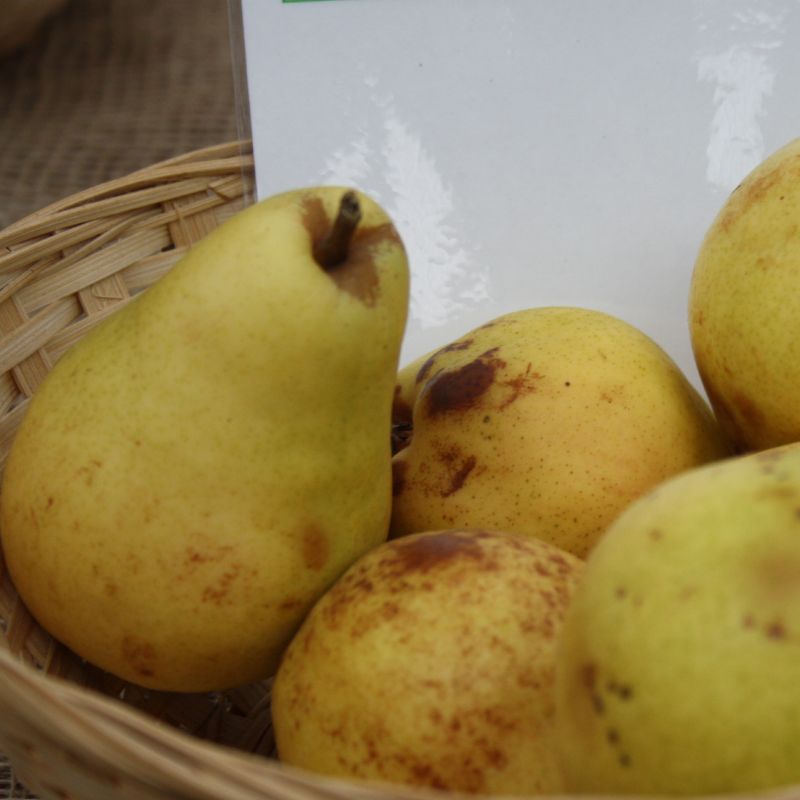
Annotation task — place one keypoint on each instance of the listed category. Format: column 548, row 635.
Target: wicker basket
column 70, row 730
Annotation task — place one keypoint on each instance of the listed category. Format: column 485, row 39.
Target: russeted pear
column 196, row 471
column 744, row 314
column 431, row 663
column 545, row 421
column 678, row 668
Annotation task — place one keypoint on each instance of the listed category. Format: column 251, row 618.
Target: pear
column 546, row 421
column 431, row 663
column 196, row 471
column 744, row 316
column 678, row 669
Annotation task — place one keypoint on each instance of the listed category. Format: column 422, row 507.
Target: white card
column 531, row 152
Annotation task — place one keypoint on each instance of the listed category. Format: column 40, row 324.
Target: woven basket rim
column 195, row 163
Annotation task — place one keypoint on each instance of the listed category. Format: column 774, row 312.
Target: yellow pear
column 194, row 473
column 679, row 662
column 744, row 313
column 431, row 663
column 547, row 421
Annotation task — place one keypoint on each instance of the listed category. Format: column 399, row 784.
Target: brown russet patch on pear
column 458, row 466
column 139, row 654
column 427, row 365
column 88, row 471
column 315, row 547
column 461, row 389
column 357, row 274
column 204, row 552
column 291, row 604
column 427, row 553
column 524, row 383
column 217, row 593
column 349, row 589
column 778, row 576
column 775, row 630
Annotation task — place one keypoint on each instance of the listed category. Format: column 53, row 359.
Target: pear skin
column 194, row 473
column 431, row 663
column 678, row 669
column 743, row 310
column 548, row 422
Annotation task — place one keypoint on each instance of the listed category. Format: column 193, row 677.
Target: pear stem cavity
column 333, row 249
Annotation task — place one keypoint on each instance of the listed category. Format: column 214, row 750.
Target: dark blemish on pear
column 624, row 760
column 346, row 250
column 460, row 389
column 776, row 630
column 139, row 654
column 425, row 553
column 588, row 675
column 524, row 383
column 621, row 690
column 291, row 604
column 425, row 369
column 453, row 347
column 459, row 476
column 219, row 591
column 315, row 547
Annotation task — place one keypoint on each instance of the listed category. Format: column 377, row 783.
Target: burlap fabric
column 106, row 87
column 109, row 86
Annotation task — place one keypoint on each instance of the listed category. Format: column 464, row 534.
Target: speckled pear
column 431, row 663
column 546, row 421
column 197, row 470
column 679, row 662
column 744, row 313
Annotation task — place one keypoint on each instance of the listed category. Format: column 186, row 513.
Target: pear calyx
column 333, row 249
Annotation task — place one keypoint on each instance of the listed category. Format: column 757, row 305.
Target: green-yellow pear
column 431, row 663
column 547, row 421
column 196, row 471
column 679, row 662
column 744, row 307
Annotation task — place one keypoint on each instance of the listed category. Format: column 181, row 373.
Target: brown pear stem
column 333, row 249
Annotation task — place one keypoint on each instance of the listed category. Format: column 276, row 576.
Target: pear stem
column 333, row 249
